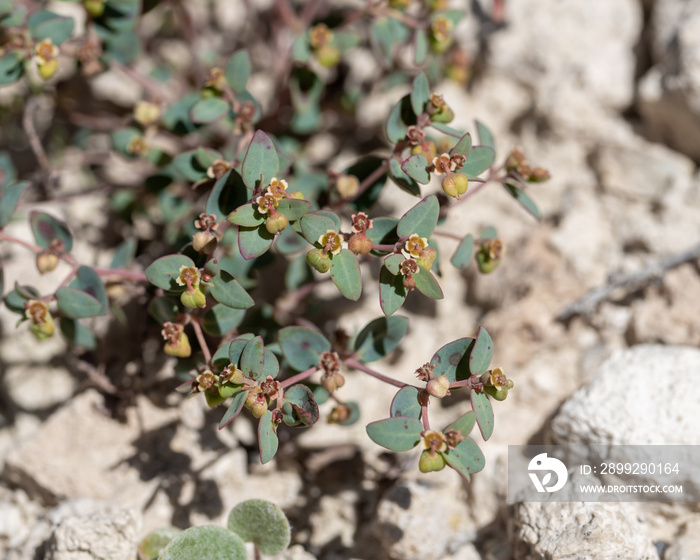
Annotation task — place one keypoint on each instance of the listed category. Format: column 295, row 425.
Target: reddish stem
column 298, row 377
column 353, row 363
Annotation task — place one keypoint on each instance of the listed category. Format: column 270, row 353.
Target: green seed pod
column 48, row 68
column 498, row 394
column 461, row 182
column 213, row 399
column 196, row 299
column 328, row 56
column 45, row 329
column 94, row 7
column 275, row 224
column 259, row 408
column 180, row 350
column 204, row 242
column 228, row 390
column 485, row 263
column 46, row 262
column 439, row 387
column 449, row 185
column 428, row 258
column 444, row 115
column 429, row 463
column 318, row 261
column 360, row 244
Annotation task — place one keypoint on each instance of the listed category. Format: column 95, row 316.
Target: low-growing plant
column 258, row 522
column 227, row 194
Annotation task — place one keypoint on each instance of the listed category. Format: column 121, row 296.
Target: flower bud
column 317, row 260
column 204, row 242
column 179, row 349
column 46, row 262
column 275, row 224
column 439, row 387
column 328, row 56
column 431, row 462
column 360, row 244
column 195, row 299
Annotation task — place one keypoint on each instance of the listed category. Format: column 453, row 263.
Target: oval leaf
column 380, row 337
column 293, row 208
column 392, row 292
column 466, row 458
column 238, row 71
column 415, row 167
column 263, row 523
column 246, row 215
column 9, row 197
column 261, row 162
column 225, row 289
column 252, row 361
column 463, row 146
column 480, row 158
column 48, row 25
column 221, row 319
column 420, row 219
column 253, row 242
column 402, row 179
column 299, row 407
column 302, row 347
column 234, row 409
column 464, row 424
column 481, row 353
column 483, row 412
column 397, row 434
column 450, row 359
column 405, row 403
column 212, row 543
column 527, row 203
column 420, row 93
column 46, row 229
column 427, row 284
column 345, row 273
column 267, row 438
column 313, row 226
column 209, row 110
column 164, row 271
column 463, row 253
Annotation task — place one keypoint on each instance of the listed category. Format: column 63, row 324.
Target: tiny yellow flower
column 435, row 442
column 319, row 35
column 37, row 311
column 414, row 246
column 442, row 28
column 331, row 241
column 189, row 276
column 442, row 163
column 218, row 168
column 277, row 188
column 265, row 202
column 45, row 52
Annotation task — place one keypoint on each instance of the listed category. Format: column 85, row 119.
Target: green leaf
column 379, row 338
column 11, row 68
column 527, row 203
column 480, row 158
column 236, row 346
column 293, row 208
column 252, row 361
column 267, row 438
column 177, row 117
column 392, row 292
column 450, row 359
column 84, row 297
column 483, row 412
column 387, row 32
column 289, row 242
column 420, row 219
column 345, row 273
column 253, row 242
column 234, row 409
column 261, row 162
column 122, row 138
column 406, row 404
column 314, row 225
column 77, row 334
column 481, row 353
column 209, row 110
column 14, row 300
column 485, row 136
column 400, row 433
column 303, row 347
column 9, row 197
column 152, row 545
column 124, row 253
column 463, row 146
column 206, row 542
column 421, row 47
column 420, row 93
column 272, row 366
column 427, row 284
column 238, row 71
column 463, row 253
column 345, row 40
column 188, row 164
column 164, row 271
column 402, row 179
column 225, row 289
column 298, row 273
column 263, row 523
column 489, row 232
column 206, row 157
column 383, row 231
column 301, row 52
column 228, row 193
column 299, row 407
column 163, row 309
column 48, row 25
column 47, row 229
column 221, row 319
column 463, row 424
column 247, row 216
column 415, row 167
column 466, row 458
column 393, row 263
column 448, row 130
column 399, row 119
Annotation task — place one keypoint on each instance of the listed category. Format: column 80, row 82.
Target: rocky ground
column 606, row 94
